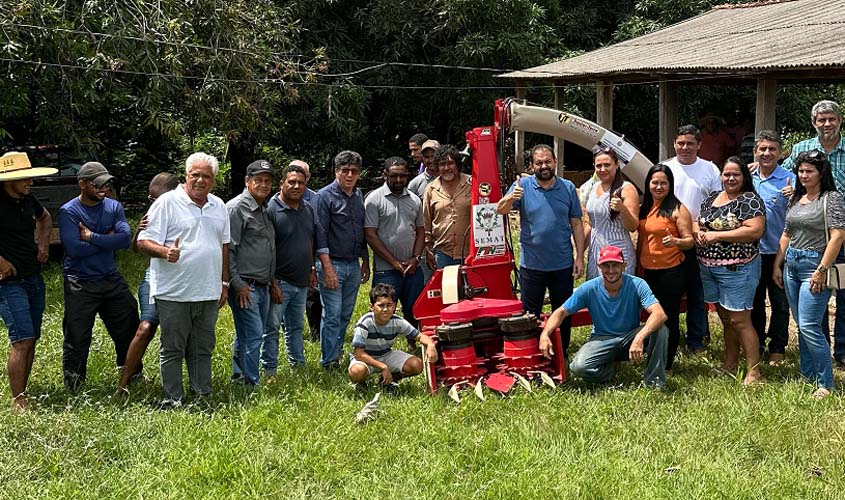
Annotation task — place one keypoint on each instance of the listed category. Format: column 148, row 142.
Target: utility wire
column 375, row 64
column 257, row 80
column 279, row 81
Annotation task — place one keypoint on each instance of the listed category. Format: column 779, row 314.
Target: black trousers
column 559, row 283
column 669, row 286
column 112, row 300
column 778, row 331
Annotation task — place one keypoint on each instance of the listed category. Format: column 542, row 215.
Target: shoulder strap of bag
column 824, row 215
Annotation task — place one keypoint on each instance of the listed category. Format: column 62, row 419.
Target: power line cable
column 376, row 64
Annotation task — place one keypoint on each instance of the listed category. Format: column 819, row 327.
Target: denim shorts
column 731, row 287
column 22, row 303
column 149, row 313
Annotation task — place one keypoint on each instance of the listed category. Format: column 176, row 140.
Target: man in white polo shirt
column 188, row 236
column 695, row 179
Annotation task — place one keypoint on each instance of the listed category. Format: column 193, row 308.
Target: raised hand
column 616, row 200
column 788, row 190
column 517, row 192
column 173, row 252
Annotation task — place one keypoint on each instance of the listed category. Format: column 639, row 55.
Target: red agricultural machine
column 483, row 335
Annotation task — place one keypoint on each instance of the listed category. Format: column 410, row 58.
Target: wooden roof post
column 667, row 119
column 519, row 136
column 559, row 141
column 767, row 90
column 604, row 103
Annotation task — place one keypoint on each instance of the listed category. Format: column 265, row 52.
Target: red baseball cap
column 611, row 253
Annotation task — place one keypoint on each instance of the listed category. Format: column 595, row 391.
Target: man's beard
column 544, row 174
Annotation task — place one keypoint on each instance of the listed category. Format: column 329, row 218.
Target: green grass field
column 703, row 438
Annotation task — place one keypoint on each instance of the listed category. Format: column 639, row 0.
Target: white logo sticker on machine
column 488, row 227
column 624, row 151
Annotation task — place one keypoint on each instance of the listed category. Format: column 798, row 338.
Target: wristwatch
column 822, row 268
column 226, row 284
column 419, row 258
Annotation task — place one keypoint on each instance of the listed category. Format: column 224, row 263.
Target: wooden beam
column 604, row 103
column 767, row 91
column 519, row 136
column 667, row 119
column 559, row 141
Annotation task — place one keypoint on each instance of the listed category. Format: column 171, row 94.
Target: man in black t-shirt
column 25, row 228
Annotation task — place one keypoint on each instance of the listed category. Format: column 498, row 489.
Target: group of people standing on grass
column 260, row 253
column 727, row 235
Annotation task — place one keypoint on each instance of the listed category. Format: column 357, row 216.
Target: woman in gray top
column 809, row 254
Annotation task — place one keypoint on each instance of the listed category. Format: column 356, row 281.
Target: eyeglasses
column 349, row 171
column 601, row 149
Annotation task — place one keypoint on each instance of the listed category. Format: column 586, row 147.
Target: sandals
column 821, row 393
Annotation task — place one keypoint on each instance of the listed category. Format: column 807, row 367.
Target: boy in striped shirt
column 373, row 341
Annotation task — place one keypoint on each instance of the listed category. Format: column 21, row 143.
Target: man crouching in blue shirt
column 92, row 227
column 373, row 340
column 615, row 301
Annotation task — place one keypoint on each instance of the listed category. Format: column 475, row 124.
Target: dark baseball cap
column 94, row 172
column 259, row 167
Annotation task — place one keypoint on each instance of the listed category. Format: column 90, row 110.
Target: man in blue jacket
column 92, row 227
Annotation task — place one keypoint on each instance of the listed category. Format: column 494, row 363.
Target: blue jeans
column 149, row 313
column 696, row 312
column 22, row 305
column 442, row 260
column 839, row 322
column 408, row 288
column 338, row 305
column 595, row 359
column 292, row 312
column 249, row 329
column 808, row 311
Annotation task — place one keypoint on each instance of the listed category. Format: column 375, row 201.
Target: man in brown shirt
column 446, row 211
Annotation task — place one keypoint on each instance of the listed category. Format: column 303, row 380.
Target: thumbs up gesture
column 788, row 189
column 616, row 200
column 173, row 251
column 517, row 192
column 668, row 240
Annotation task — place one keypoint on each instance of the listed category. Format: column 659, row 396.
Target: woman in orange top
column 665, row 231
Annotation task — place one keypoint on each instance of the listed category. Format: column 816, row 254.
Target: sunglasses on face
column 813, row 155
column 601, row 149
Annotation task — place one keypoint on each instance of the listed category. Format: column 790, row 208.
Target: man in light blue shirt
column 775, row 186
column 615, row 301
column 550, row 218
column 826, row 117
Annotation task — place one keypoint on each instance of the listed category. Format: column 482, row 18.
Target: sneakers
column 169, row 404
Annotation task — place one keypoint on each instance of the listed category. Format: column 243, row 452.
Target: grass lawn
column 703, row 438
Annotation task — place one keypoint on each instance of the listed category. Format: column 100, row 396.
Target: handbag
column 836, row 274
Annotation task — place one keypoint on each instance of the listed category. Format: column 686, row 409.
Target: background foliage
column 141, row 84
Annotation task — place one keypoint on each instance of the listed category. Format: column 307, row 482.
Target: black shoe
column 332, row 367
column 839, row 362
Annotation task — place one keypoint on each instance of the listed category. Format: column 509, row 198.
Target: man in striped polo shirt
column 372, row 342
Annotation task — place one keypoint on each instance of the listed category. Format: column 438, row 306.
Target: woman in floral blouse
column 726, row 234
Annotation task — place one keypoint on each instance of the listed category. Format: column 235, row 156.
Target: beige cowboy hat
column 15, row 166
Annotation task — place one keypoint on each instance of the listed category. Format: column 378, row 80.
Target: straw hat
column 15, row 166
